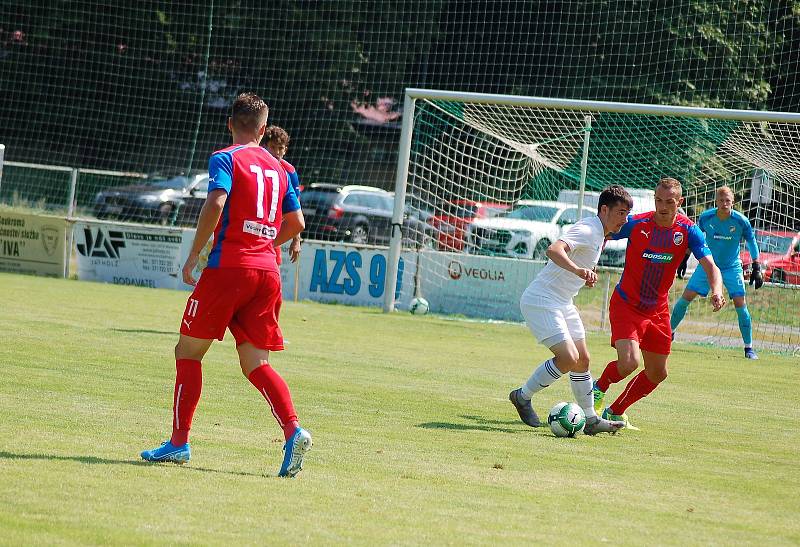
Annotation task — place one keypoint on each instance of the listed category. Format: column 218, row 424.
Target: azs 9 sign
column 339, row 272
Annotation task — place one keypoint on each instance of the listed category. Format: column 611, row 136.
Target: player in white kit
column 553, row 318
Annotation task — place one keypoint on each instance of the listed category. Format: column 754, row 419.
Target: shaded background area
column 146, row 87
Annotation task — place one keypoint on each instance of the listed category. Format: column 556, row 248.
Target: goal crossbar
column 604, row 106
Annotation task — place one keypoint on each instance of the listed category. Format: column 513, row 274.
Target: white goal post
column 452, row 144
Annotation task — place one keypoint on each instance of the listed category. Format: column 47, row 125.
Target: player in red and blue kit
column 251, row 209
column 277, row 142
column 639, row 308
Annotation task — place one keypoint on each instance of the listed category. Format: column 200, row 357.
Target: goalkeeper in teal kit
column 724, row 229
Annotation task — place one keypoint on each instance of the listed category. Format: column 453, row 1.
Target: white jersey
column 555, row 286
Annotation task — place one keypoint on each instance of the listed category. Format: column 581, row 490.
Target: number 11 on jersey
column 275, row 187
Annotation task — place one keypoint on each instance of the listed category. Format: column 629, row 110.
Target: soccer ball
column 419, row 306
column 566, row 420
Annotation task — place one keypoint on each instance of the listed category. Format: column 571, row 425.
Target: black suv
column 155, row 199
column 359, row 214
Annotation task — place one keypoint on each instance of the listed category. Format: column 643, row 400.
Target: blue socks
column 679, row 312
column 745, row 326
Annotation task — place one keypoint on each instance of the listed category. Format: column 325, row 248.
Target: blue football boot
column 293, row 451
column 750, row 353
column 168, row 452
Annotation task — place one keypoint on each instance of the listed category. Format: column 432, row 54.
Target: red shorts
column 247, row 301
column 651, row 329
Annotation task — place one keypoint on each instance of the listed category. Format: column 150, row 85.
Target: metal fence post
column 2, row 153
column 604, row 309
column 296, row 279
column 73, row 184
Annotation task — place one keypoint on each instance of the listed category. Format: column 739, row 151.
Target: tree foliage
column 145, row 85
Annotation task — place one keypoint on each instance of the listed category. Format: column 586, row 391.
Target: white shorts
column 552, row 326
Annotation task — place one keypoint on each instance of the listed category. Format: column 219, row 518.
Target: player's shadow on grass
column 95, row 460
column 146, row 331
column 478, row 423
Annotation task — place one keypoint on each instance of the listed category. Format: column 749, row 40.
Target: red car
column 451, row 223
column 779, row 256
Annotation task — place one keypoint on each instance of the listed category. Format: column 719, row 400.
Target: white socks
column 581, row 383
column 546, row 374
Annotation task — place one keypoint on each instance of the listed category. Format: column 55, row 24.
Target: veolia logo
column 454, row 269
column 457, row 270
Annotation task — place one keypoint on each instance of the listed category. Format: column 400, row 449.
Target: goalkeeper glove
column 756, row 277
column 682, row 267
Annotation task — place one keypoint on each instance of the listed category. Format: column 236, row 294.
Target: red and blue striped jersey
column 259, row 194
column 653, row 256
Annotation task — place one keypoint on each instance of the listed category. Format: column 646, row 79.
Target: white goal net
column 496, row 178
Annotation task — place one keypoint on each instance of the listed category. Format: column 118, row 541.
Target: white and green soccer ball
column 566, row 420
column 419, row 306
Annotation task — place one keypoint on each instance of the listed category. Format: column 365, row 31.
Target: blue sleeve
column 220, row 172
column 626, row 229
column 290, row 201
column 749, row 236
column 294, row 180
column 697, row 242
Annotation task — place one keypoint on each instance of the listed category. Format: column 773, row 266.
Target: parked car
column 451, row 223
column 156, row 199
column 525, row 232
column 418, row 226
column 779, row 256
column 189, row 210
column 359, row 214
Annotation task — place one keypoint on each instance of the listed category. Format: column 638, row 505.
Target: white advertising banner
column 32, row 244
column 475, row 286
column 345, row 274
column 130, row 255
column 153, row 257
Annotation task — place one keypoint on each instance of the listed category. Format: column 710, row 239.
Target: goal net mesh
column 500, row 182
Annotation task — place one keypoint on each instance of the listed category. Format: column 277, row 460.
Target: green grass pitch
column 414, row 439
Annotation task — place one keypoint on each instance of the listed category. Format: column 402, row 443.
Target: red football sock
column 188, row 385
column 274, row 389
column 638, row 388
column 610, row 376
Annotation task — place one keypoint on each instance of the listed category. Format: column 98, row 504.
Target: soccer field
column 415, row 441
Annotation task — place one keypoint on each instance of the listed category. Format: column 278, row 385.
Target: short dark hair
column 614, row 195
column 249, row 112
column 276, row 134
